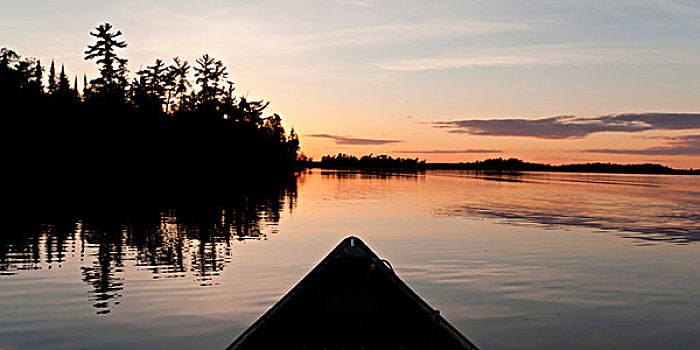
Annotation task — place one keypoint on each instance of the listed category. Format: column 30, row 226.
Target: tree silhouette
column 7, row 58
column 86, row 88
column 8, row 75
column 111, row 77
column 157, row 78
column 179, row 72
column 37, row 75
column 141, row 97
column 154, row 82
column 210, row 73
column 31, row 71
column 25, row 70
column 168, row 81
column 121, row 79
column 63, row 84
column 249, row 112
column 229, row 96
column 53, row 86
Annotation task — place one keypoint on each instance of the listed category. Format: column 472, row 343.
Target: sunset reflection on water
column 514, row 260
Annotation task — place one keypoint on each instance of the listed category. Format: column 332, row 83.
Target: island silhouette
column 158, row 132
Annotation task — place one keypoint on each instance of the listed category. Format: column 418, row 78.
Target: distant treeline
column 169, row 125
column 514, row 164
column 384, row 162
column 368, row 162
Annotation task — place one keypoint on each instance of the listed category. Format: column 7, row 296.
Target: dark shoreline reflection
column 183, row 239
column 372, row 174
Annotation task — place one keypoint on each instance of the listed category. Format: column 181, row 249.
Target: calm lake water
column 529, row 260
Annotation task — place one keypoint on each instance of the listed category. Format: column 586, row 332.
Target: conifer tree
column 86, row 87
column 154, row 79
column 53, row 86
column 7, row 58
column 293, row 143
column 122, row 77
column 63, row 83
column 210, row 73
column 112, row 67
column 25, row 70
column 38, row 76
column 8, row 76
column 179, row 73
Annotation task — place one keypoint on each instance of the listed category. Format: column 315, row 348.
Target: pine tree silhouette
column 38, row 77
column 53, row 86
column 63, row 84
column 179, row 74
column 210, row 73
column 86, row 87
column 112, row 80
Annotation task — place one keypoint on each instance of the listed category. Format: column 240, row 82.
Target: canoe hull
column 351, row 300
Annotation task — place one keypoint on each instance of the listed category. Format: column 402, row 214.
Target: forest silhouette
column 170, row 126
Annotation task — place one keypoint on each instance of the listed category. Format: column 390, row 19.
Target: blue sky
column 379, row 70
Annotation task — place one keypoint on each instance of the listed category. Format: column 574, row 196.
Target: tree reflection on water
column 193, row 239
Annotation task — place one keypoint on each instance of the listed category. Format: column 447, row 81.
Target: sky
column 555, row 81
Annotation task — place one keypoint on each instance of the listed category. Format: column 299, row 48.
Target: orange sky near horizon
column 556, row 152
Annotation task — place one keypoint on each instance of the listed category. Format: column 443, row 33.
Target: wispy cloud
column 356, row 3
column 676, row 7
column 688, row 145
column 670, row 6
column 569, row 54
column 449, row 151
column 567, row 127
column 343, row 140
column 396, row 32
